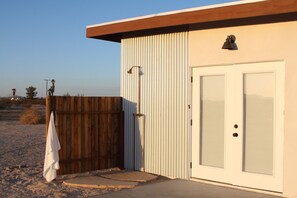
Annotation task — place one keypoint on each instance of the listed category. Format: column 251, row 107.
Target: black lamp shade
column 230, row 43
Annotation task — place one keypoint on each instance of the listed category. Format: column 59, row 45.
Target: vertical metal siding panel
column 166, row 103
column 164, row 100
column 162, row 45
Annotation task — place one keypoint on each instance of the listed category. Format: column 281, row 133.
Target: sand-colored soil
column 22, row 150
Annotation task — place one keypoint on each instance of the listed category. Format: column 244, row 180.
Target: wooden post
column 48, row 112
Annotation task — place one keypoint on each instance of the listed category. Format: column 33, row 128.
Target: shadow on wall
column 134, row 136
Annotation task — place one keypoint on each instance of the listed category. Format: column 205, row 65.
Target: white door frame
column 234, row 175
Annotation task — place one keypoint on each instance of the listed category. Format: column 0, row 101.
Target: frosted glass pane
column 212, row 116
column 258, row 123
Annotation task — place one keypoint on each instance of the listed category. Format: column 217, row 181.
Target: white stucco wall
column 257, row 43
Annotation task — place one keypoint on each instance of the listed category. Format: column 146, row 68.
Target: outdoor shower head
column 130, row 70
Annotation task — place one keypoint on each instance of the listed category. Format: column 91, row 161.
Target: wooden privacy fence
column 90, row 131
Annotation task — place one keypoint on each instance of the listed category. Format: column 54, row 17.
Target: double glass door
column 237, row 132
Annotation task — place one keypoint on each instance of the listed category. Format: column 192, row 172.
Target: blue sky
column 46, row 40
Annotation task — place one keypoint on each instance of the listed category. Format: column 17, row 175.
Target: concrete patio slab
column 133, row 176
column 184, row 189
column 98, row 182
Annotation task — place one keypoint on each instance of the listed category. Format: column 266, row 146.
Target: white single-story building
column 210, row 93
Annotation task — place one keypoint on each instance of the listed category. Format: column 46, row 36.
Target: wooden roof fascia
column 115, row 31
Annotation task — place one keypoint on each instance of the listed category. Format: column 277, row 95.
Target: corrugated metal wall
column 164, row 130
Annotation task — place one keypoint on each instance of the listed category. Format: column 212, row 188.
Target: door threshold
column 236, row 187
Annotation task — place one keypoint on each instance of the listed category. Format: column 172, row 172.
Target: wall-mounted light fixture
column 230, row 43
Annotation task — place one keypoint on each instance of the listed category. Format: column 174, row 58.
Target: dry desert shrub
column 27, row 105
column 1, row 105
column 30, row 116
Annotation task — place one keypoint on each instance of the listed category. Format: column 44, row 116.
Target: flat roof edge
column 271, row 9
column 239, row 2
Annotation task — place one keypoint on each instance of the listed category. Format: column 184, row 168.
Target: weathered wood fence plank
column 90, row 130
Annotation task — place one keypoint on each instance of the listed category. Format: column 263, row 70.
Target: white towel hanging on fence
column 51, row 160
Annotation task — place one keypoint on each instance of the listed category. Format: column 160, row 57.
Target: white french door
column 237, row 132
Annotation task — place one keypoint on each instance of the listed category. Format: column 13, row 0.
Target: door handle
column 235, row 134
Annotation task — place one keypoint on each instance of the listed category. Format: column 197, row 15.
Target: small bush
column 27, row 105
column 1, row 105
column 30, row 116
column 40, row 101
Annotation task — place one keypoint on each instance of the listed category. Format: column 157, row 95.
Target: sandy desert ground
column 22, row 150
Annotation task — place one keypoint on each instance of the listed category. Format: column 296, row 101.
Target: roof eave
column 115, row 31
